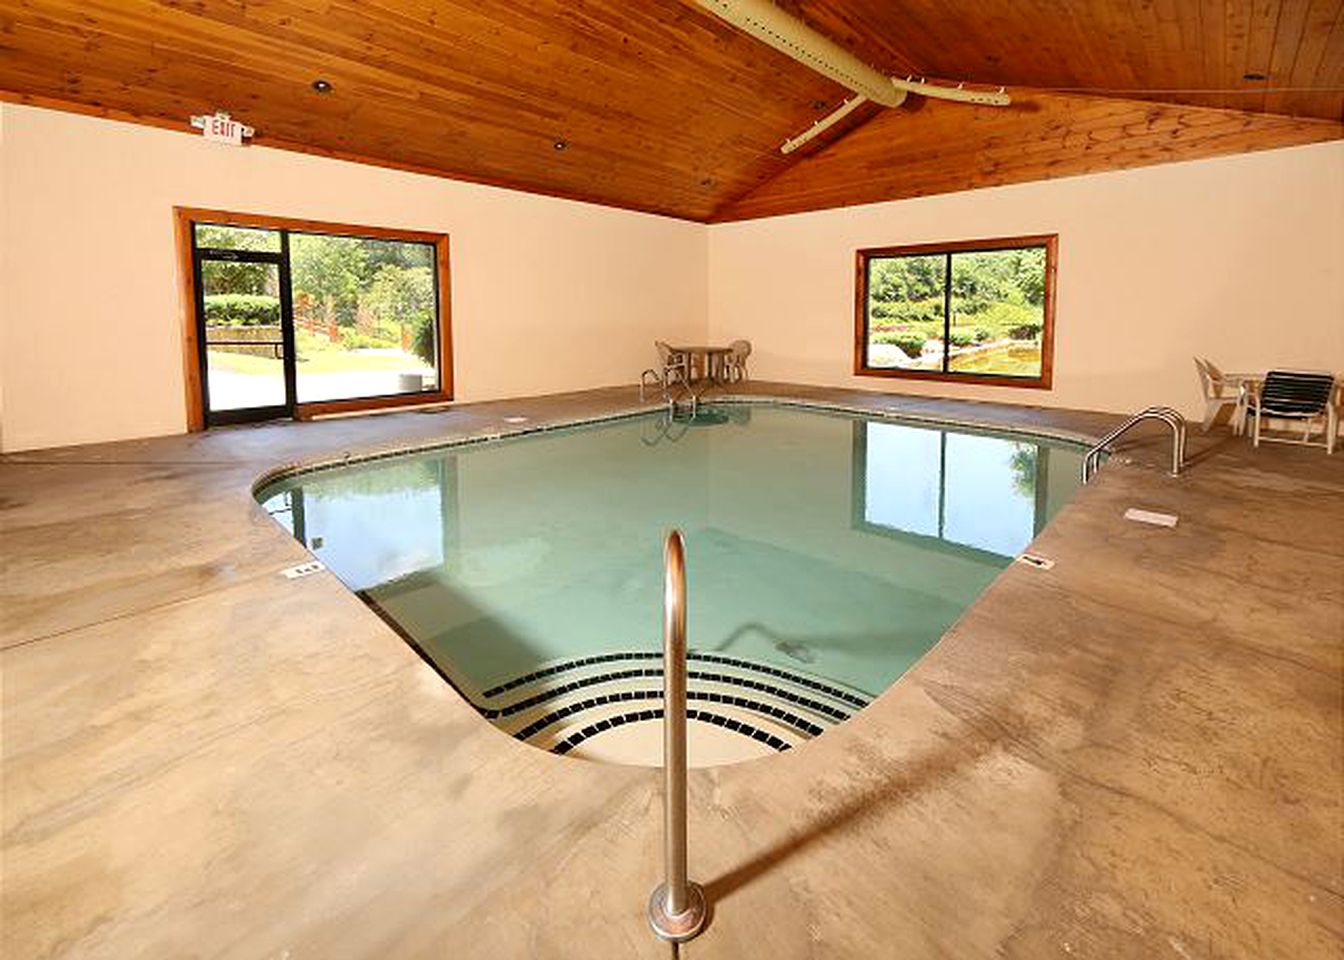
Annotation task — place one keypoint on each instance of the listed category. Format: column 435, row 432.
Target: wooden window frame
column 185, row 219
column 1042, row 382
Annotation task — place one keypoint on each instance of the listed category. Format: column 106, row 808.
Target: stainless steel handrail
column 677, row 907
column 1172, row 418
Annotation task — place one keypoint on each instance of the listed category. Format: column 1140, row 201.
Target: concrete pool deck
column 1138, row 753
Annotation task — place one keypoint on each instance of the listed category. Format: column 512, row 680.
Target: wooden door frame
column 184, row 219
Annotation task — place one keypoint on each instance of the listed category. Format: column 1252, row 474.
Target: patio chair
column 1220, row 392
column 1306, row 397
column 735, row 363
column 674, row 366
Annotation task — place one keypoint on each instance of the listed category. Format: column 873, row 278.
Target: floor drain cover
column 1148, row 516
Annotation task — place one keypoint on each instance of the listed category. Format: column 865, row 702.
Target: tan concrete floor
column 1135, row 754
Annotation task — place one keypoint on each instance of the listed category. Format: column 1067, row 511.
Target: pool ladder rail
column 677, row 910
column 1172, row 418
column 679, row 395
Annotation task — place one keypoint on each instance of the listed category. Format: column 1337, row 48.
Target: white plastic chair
column 1220, row 391
column 735, row 363
column 675, row 366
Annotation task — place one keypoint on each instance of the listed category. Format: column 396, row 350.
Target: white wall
column 4, row 280
column 547, row 295
column 1240, row 259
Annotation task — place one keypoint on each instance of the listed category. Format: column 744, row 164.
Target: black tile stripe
column 801, row 679
column 565, row 666
column 800, row 724
column 816, row 706
column 700, row 716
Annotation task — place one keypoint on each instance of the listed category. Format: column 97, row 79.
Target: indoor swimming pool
column 826, row 553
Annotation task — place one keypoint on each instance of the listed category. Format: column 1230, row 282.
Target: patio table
column 709, row 360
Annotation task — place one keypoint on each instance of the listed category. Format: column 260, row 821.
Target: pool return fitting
column 677, row 909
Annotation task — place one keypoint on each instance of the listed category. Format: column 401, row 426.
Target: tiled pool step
column 569, row 705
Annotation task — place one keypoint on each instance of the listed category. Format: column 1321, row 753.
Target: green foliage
column 398, row 295
column 217, row 237
column 354, row 340
column 224, row 276
column 425, row 342
column 1003, row 316
column 906, row 279
column 911, row 344
column 982, row 277
column 404, row 296
column 1001, row 292
column 1023, row 464
column 330, row 270
column 902, row 311
column 241, row 309
column 390, row 281
column 374, row 290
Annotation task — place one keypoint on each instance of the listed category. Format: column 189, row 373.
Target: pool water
column 825, row 554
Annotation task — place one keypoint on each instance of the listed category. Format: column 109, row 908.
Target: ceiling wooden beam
column 660, row 106
column 933, row 148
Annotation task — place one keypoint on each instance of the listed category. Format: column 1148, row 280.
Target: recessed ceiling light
column 321, row 85
column 1254, row 75
column 560, row 144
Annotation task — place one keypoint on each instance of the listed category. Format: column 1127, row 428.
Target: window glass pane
column 998, row 312
column 903, row 470
column 990, row 493
column 905, row 312
column 365, row 317
column 215, row 237
column 243, row 345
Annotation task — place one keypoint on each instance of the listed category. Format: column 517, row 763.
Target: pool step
column 610, row 705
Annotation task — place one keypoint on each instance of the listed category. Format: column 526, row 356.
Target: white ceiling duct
column 789, row 35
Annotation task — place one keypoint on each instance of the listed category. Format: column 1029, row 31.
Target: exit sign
column 222, row 128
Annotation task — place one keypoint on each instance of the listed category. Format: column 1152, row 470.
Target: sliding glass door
column 296, row 320
column 242, row 284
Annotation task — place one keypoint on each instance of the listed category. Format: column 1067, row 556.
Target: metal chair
column 1305, row 397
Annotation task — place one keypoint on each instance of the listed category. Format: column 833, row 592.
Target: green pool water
column 827, row 544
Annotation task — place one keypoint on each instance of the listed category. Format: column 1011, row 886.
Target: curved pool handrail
column 1169, row 416
column 677, row 906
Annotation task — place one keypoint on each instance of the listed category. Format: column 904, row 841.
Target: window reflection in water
column 965, row 490
column 375, row 523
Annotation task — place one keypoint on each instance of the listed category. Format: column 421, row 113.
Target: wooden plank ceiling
column 659, row 106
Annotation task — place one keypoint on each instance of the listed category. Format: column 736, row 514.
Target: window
column 980, row 311
column 295, row 318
